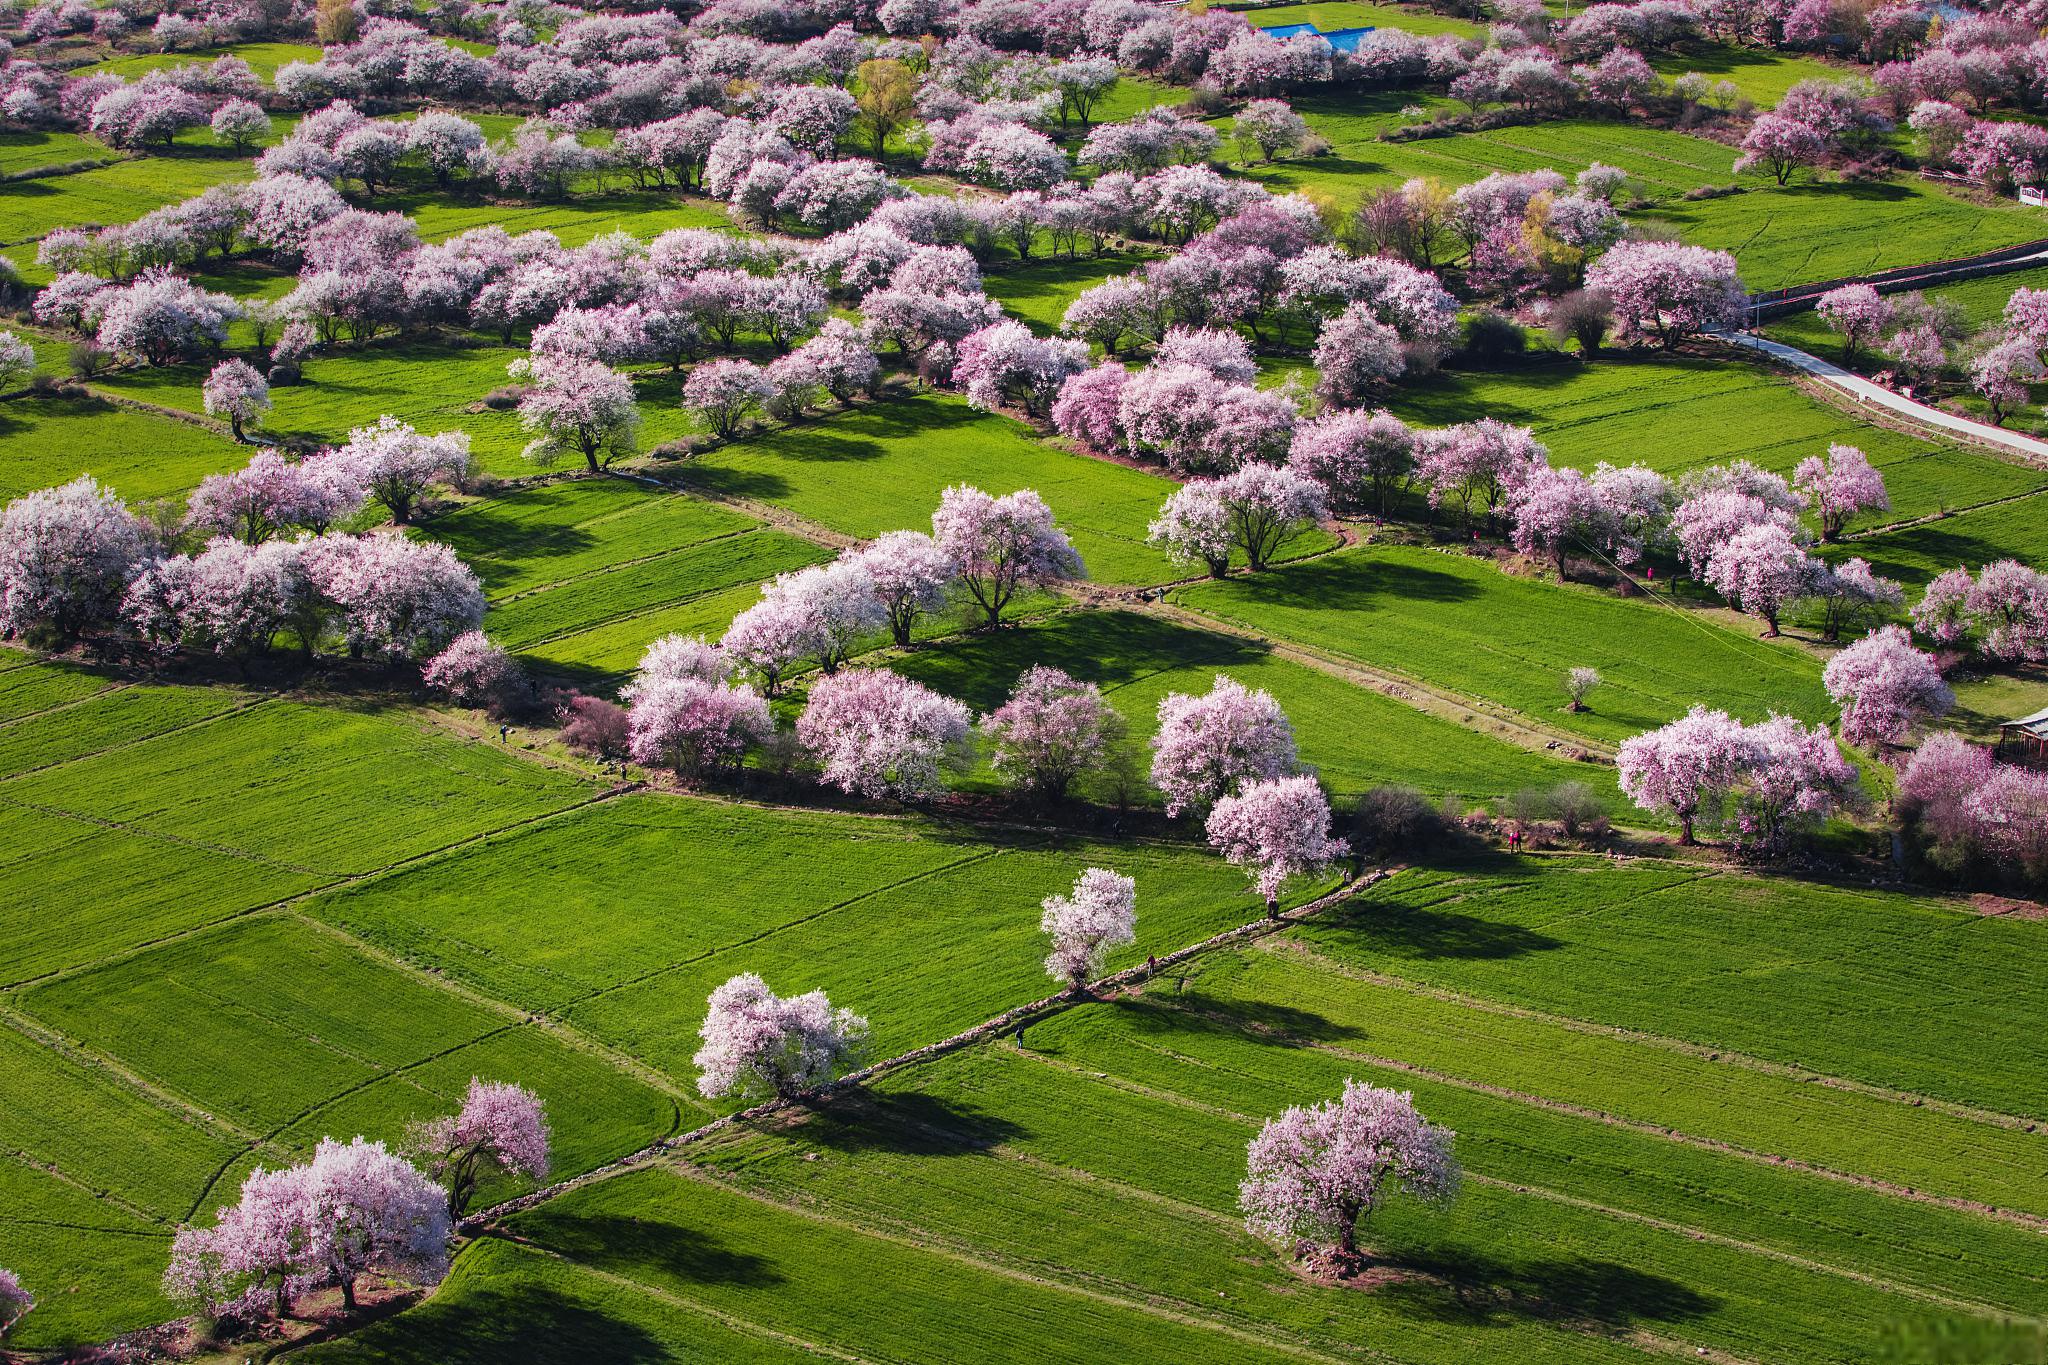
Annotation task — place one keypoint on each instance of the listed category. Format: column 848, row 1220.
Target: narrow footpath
column 1864, row 391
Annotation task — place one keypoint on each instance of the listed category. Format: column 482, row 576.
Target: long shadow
column 1468, row 1288
column 1386, row 931
column 490, row 1325
column 1350, row 582
column 1195, row 1012
column 624, row 1244
column 733, row 483
column 908, row 1123
column 1107, row 648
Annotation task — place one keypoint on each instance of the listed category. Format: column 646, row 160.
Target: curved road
column 1863, row 391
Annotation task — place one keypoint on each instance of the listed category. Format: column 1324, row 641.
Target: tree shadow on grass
column 908, row 1123
column 1383, row 931
column 1107, row 648
column 1350, row 582
column 530, row 1323
column 1194, row 1012
column 1468, row 1288
column 625, row 1244
column 726, row 481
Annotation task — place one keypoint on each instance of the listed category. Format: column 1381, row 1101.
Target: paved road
column 1863, row 391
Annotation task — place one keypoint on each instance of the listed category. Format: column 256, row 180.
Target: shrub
column 1395, row 819
column 1491, row 338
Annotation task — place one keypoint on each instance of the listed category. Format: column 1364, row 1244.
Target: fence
column 1773, row 303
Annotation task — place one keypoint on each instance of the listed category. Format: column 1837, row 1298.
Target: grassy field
column 880, row 913
column 1094, row 1171
column 1331, row 15
column 1802, row 233
column 263, row 58
column 117, row 193
column 1913, row 993
column 437, row 385
column 1972, row 539
column 1039, row 292
column 26, row 150
column 1354, row 737
column 882, row 467
column 1626, row 409
column 1463, row 624
column 48, row 441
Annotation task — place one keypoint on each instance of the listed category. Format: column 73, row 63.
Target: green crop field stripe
column 1719, row 1055
column 744, row 1325
column 160, row 836
column 963, row 1255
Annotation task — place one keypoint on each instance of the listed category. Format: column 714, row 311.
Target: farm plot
column 585, row 568
column 882, row 914
column 1354, row 737
column 1803, row 233
column 1973, row 538
column 118, row 193
column 1331, row 15
column 556, row 614
column 319, row 791
column 1569, row 1225
column 1662, row 164
column 645, row 215
column 505, row 1302
column 1632, row 410
column 263, row 58
column 1461, row 623
column 281, row 1033
column 25, row 151
column 102, row 718
column 1913, row 992
column 28, row 687
column 882, row 467
column 1039, row 292
column 50, row 441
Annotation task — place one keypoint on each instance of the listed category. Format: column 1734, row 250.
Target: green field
column 49, row 441
column 883, row 467
column 877, row 912
column 263, row 58
column 1972, row 539
column 117, row 193
column 1462, row 624
column 1982, row 301
column 1681, row 414
column 1353, row 737
column 25, row 151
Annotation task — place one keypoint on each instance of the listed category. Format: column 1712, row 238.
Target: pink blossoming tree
column 694, row 726
column 1209, row 746
column 1099, row 916
column 1687, row 768
column 66, row 555
column 877, row 733
column 1000, row 546
column 1052, row 730
column 1276, row 830
column 1314, row 1172
column 910, row 574
column 500, row 1124
column 237, row 392
column 758, row 1044
column 1885, row 687
column 1839, row 487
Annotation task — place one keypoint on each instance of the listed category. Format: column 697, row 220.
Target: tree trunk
column 1685, row 831
column 1272, row 908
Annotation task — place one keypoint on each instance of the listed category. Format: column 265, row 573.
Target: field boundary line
column 246, row 703
column 1973, row 1307
column 1661, row 1041
column 1933, row 518
column 984, row 1031
column 2031, row 1221
column 779, row 517
column 284, row 903
column 64, row 1177
column 113, row 685
column 744, row 1326
column 563, row 1031
column 1176, row 1099
column 127, row 1078
column 834, row 908
column 945, row 1248
column 162, row 836
column 588, row 575
column 1512, row 727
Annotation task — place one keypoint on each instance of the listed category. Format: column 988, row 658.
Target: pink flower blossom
column 999, row 546
column 1050, row 731
column 1884, row 687
column 1276, row 830
column 758, row 1044
column 877, row 733
column 1210, row 746
column 1098, row 917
